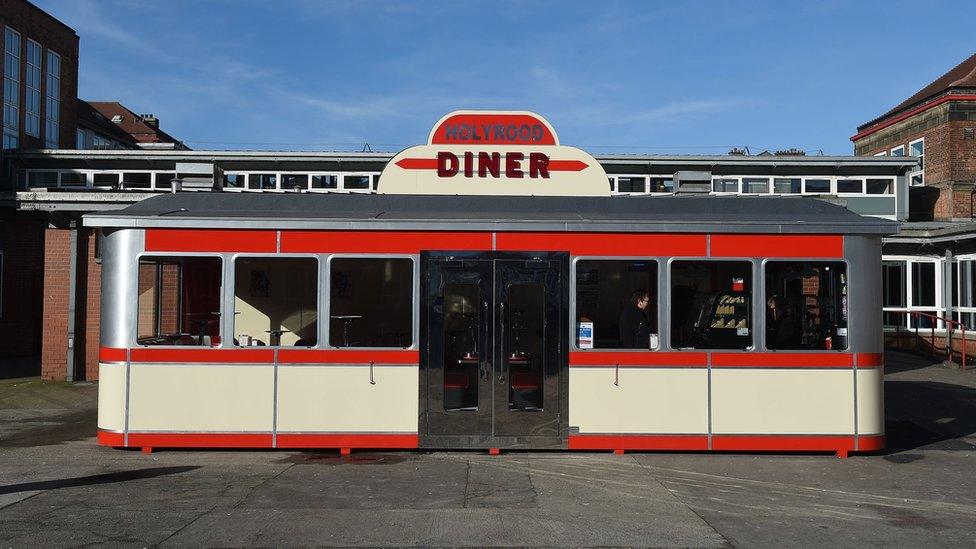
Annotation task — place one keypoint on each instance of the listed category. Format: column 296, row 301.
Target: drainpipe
column 72, row 292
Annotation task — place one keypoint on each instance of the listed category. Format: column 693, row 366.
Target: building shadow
column 928, row 414
column 20, row 366
column 91, row 480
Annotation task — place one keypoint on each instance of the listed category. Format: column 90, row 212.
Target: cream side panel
column 111, row 396
column 200, row 397
column 870, row 401
column 782, row 401
column 341, row 399
column 647, row 400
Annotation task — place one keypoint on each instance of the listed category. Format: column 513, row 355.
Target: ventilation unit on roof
column 692, row 182
column 117, row 119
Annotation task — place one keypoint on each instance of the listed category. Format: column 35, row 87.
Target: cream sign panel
column 494, row 153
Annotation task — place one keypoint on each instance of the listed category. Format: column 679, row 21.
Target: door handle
column 371, row 380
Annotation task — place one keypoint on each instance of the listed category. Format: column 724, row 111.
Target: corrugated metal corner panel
column 111, row 395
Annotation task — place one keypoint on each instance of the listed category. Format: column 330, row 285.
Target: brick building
column 930, row 266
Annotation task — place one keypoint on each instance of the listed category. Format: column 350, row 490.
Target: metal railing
column 951, row 326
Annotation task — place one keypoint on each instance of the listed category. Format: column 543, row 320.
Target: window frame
column 851, row 310
column 326, row 280
column 33, row 131
column 898, row 148
column 738, row 185
column 957, row 309
column 134, row 333
column 574, row 310
column 342, row 182
column 52, row 141
column 616, row 185
column 831, row 185
column 921, row 171
column 938, row 309
column 11, row 126
column 862, row 180
column 756, row 321
column 319, row 296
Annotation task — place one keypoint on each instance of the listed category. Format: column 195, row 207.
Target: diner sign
column 494, row 153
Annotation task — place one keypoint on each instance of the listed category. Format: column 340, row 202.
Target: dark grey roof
column 498, row 213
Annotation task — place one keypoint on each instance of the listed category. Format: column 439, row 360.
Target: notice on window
column 585, row 335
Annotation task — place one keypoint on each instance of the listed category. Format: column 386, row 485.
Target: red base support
column 494, row 451
column 147, row 449
column 345, row 451
column 841, row 453
column 619, row 452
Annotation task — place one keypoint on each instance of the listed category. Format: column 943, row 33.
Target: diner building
column 54, row 188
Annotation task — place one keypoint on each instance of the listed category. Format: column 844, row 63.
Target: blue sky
column 612, row 77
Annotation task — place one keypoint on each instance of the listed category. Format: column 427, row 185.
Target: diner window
column 136, row 180
column 819, row 186
column 356, row 182
column 235, row 181
column 880, row 186
column 616, row 304
column 850, row 186
column 711, row 304
column 275, row 301
column 725, row 185
column 755, row 185
column 371, row 302
column 787, row 185
column 179, row 301
column 165, row 180
column 262, row 181
column 73, row 179
column 631, row 185
column 293, row 181
column 661, row 185
column 898, row 151
column 325, row 182
column 806, row 305
column 923, row 284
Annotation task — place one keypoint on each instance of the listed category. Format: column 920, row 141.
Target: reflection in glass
column 806, row 305
column 275, row 301
column 711, row 304
column 525, row 345
column 462, row 352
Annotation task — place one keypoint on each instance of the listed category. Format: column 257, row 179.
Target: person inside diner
column 635, row 330
column 782, row 330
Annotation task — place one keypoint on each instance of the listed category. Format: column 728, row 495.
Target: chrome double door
column 494, row 340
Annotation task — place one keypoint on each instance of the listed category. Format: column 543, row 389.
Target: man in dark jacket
column 635, row 331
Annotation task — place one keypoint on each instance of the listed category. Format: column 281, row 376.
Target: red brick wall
column 57, row 257
column 93, row 297
column 21, row 290
column 37, row 25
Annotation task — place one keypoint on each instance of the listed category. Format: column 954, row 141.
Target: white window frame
column 882, row 153
column 769, row 185
column 919, row 172
column 836, row 186
column 344, row 175
column 616, row 184
column 831, row 185
column 738, row 185
column 899, row 147
column 772, row 185
column 323, row 174
column 938, row 309
column 32, row 93
column 959, row 310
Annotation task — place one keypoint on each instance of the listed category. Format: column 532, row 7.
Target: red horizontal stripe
column 111, row 354
column 613, row 244
column 403, row 242
column 201, row 440
column 108, row 438
column 867, row 360
column 752, row 245
column 783, row 360
column 649, row 358
column 638, row 442
column 882, row 125
column 408, row 440
column 870, row 443
column 210, row 240
column 250, row 356
column 785, row 443
column 294, row 356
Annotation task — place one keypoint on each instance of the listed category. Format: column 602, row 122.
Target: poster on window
column 585, row 335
